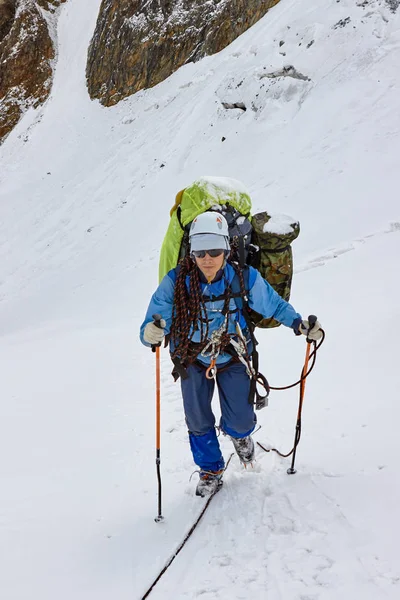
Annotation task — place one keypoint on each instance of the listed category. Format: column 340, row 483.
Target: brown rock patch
column 139, row 43
column 26, row 51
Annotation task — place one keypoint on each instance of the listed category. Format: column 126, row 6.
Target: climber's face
column 209, row 262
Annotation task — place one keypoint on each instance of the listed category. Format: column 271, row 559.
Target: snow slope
column 85, row 194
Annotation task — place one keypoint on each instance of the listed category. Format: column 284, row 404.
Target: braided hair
column 190, row 309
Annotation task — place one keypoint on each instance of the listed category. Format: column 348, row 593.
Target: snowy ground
column 84, row 203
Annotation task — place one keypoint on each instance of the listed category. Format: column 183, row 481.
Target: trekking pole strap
column 304, row 374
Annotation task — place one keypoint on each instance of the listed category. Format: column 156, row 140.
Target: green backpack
column 261, row 241
column 274, row 260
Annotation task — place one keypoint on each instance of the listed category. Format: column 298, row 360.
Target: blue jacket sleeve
column 162, row 303
column 264, row 300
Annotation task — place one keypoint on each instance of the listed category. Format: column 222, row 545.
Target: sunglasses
column 212, row 253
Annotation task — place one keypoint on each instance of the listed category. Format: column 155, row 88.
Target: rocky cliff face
column 26, row 52
column 138, row 43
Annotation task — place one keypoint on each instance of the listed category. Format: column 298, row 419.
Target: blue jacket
column 261, row 297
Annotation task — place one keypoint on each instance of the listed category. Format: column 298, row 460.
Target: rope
column 301, row 382
column 189, row 533
column 303, row 377
column 189, row 312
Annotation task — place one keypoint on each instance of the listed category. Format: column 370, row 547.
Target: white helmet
column 208, row 231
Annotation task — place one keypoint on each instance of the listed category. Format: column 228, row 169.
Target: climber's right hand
column 154, row 332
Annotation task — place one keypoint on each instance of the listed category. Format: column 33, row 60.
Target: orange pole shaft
column 158, row 452
column 158, row 396
column 291, row 470
column 308, row 350
column 303, row 383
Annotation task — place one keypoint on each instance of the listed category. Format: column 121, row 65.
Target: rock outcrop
column 139, row 43
column 26, row 52
column 7, row 14
column 50, row 5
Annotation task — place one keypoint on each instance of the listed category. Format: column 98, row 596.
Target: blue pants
column 237, row 415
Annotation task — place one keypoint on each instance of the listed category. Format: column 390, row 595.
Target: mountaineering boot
column 209, row 482
column 245, row 449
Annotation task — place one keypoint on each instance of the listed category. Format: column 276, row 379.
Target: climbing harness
column 219, row 339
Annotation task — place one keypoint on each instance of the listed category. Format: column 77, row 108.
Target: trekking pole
column 156, row 348
column 312, row 319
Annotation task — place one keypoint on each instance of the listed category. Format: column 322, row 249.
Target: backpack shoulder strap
column 242, row 304
column 235, row 287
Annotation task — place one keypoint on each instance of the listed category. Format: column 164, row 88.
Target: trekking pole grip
column 312, row 319
column 157, row 322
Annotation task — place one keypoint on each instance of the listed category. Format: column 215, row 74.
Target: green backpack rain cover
column 201, row 196
column 272, row 235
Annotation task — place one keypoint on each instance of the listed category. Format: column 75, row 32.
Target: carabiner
column 211, row 372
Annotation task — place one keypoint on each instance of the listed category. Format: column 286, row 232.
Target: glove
column 315, row 334
column 153, row 334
